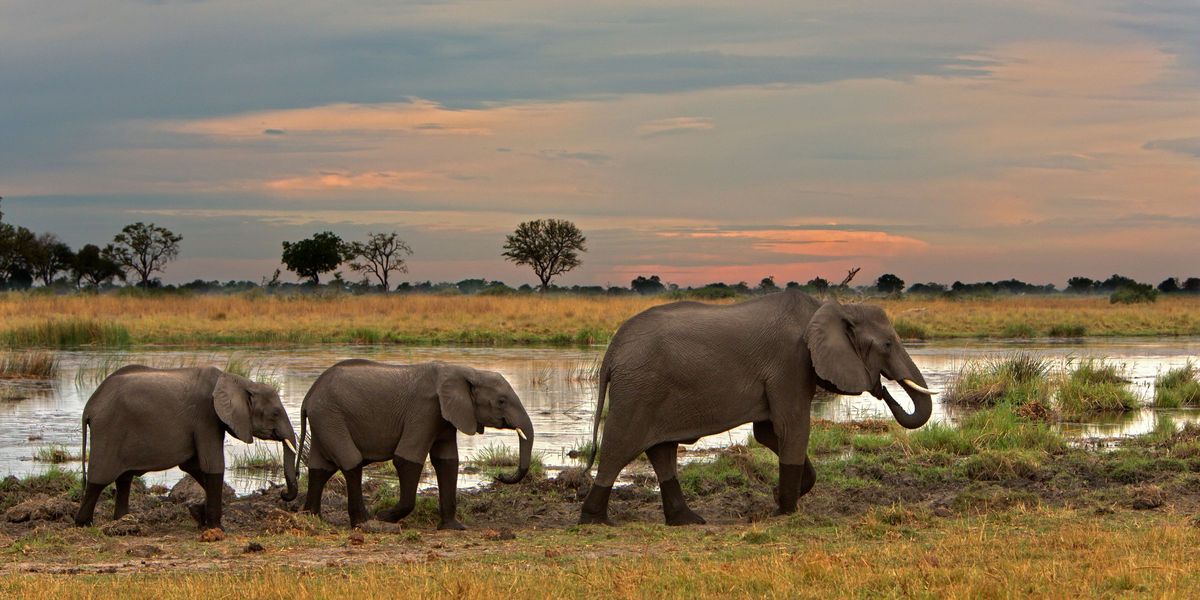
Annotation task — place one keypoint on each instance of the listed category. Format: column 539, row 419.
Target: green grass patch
column 1067, row 330
column 52, row 482
column 1018, row 331
column 1094, row 387
column 256, row 458
column 1178, row 387
column 1018, row 379
column 999, row 465
column 55, row 454
column 998, row 428
column 737, row 467
column 907, row 330
column 494, row 459
column 68, row 333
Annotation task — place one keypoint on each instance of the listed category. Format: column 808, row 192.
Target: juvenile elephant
column 681, row 371
column 144, row 419
column 362, row 412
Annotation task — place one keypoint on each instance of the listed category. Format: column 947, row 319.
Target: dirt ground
column 37, row 534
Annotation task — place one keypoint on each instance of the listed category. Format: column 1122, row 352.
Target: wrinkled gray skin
column 362, row 412
column 681, row 371
column 143, row 419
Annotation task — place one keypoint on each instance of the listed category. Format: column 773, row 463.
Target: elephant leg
column 664, row 457
column 444, row 456
column 214, row 486
column 409, row 474
column 317, row 478
column 354, row 497
column 447, row 480
column 121, row 505
column 764, row 433
column 87, row 506
column 595, row 505
column 808, row 478
column 192, row 468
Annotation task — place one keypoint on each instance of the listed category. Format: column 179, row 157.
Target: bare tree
column 144, row 249
column 549, row 246
column 381, row 255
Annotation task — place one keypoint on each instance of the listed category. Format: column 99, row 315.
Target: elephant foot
column 452, row 525
column 595, row 506
column 79, row 522
column 675, row 507
column 393, row 514
column 781, row 511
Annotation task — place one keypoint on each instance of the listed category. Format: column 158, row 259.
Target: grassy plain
column 40, row 320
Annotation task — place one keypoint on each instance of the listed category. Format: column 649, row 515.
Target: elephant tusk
column 924, row 390
column 290, row 446
column 521, row 433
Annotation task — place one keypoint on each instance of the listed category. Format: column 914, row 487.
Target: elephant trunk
column 289, row 474
column 525, row 430
column 922, row 400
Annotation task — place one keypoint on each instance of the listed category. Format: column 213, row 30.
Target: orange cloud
column 415, row 117
column 820, row 242
column 412, row 181
column 675, row 125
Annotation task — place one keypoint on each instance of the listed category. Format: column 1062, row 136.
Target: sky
column 699, row 141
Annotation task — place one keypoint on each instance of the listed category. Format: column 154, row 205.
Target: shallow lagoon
column 553, row 383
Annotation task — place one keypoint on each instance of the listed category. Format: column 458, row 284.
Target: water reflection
column 554, row 385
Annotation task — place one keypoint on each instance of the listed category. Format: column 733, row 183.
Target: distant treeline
column 550, row 247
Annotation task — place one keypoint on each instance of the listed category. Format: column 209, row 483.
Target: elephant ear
column 829, row 337
column 456, row 399
column 231, row 398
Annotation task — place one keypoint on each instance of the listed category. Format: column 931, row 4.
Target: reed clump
column 1178, row 387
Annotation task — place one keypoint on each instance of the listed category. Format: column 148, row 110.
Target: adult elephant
column 681, row 371
column 144, row 419
column 362, row 412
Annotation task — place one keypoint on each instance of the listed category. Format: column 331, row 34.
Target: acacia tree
column 321, row 253
column 550, row 246
column 92, row 265
column 48, row 256
column 144, row 249
column 381, row 255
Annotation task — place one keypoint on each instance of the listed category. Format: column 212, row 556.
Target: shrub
column 1178, row 387
column 1134, row 294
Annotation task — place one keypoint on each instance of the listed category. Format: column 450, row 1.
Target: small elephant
column 144, row 419
column 681, row 371
column 362, row 412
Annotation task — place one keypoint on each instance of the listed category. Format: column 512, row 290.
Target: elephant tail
column 83, row 455
column 601, row 391
column 301, row 451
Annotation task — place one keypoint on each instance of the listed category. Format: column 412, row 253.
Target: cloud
column 347, row 180
column 1185, row 146
column 675, row 125
column 819, row 242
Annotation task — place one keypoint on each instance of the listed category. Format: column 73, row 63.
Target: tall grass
column 495, row 458
column 55, row 454
column 257, row 318
column 30, row 364
column 68, row 332
column 1094, row 386
column 1178, row 387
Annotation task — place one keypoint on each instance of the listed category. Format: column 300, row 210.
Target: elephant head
column 853, row 346
column 253, row 410
column 472, row 399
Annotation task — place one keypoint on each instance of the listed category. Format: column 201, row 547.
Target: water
column 550, row 382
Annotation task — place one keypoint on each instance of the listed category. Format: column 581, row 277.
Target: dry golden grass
column 1057, row 553
column 255, row 318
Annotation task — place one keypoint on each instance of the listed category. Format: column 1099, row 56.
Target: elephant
column 362, row 412
column 677, row 372
column 145, row 419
